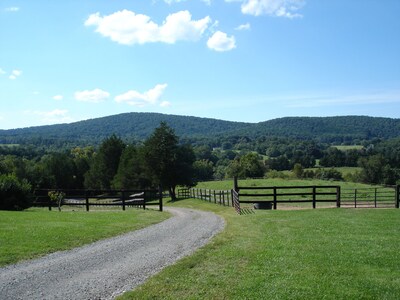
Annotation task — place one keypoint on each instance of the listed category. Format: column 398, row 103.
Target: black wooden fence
column 101, row 198
column 268, row 197
column 222, row 197
column 377, row 197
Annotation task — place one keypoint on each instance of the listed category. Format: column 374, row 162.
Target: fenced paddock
column 251, row 196
column 377, row 197
column 84, row 199
column 269, row 197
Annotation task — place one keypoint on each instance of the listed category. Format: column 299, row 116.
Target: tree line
column 158, row 161
column 165, row 159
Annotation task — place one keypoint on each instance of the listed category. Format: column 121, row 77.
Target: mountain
column 131, row 126
column 138, row 126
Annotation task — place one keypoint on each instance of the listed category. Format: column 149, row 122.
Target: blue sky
column 239, row 60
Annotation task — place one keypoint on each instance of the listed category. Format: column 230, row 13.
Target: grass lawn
column 302, row 254
column 35, row 232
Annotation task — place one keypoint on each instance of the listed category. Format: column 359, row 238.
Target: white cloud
column 58, row 97
column 15, row 74
column 94, row 96
column 12, row 9
column 243, row 27
column 278, row 8
column 2, row 72
column 128, row 28
column 165, row 104
column 219, row 41
column 150, row 97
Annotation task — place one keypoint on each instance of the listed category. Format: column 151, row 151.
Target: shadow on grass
column 247, row 211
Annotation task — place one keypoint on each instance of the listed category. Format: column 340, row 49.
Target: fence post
column 275, row 197
column 161, row 197
column 398, row 196
column 375, row 197
column 144, row 199
column 314, row 196
column 49, row 202
column 235, row 184
column 355, row 198
column 236, row 187
column 123, row 199
column 338, row 196
column 87, row 200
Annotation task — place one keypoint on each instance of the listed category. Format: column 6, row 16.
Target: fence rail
column 378, row 197
column 267, row 196
column 222, row 197
column 98, row 198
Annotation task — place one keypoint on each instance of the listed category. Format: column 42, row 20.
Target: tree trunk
column 172, row 193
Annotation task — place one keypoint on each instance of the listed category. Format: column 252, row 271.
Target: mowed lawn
column 300, row 254
column 35, row 232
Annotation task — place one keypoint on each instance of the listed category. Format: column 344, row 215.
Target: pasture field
column 298, row 254
column 348, row 147
column 228, row 184
column 344, row 170
column 36, row 232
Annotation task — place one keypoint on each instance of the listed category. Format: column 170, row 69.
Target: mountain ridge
column 138, row 126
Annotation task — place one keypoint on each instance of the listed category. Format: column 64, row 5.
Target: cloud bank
column 94, row 96
column 128, row 28
column 221, row 42
column 151, row 97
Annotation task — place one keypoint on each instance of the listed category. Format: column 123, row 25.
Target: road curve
column 107, row 268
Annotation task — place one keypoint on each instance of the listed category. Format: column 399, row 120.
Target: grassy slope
column 35, row 232
column 306, row 254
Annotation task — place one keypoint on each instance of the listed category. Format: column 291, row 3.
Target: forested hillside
column 138, row 126
column 129, row 126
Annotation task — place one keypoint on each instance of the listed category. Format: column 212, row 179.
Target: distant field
column 35, row 232
column 348, row 147
column 344, row 170
column 301, row 254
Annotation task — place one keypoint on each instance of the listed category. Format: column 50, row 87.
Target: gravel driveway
column 107, row 268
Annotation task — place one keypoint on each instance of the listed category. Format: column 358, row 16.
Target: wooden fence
column 268, row 197
column 102, row 198
column 377, row 197
column 222, row 197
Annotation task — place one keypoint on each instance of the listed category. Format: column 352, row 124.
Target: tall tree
column 105, row 163
column 131, row 170
column 168, row 163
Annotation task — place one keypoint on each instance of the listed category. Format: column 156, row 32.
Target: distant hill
column 138, row 126
column 331, row 129
column 131, row 126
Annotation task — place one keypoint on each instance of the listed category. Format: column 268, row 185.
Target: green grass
column 228, row 184
column 344, row 170
column 35, row 232
column 306, row 254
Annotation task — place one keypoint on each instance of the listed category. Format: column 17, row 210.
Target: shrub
column 14, row 194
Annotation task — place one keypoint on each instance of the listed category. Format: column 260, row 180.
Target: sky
column 236, row 60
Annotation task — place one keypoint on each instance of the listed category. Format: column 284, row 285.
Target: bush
column 14, row 194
